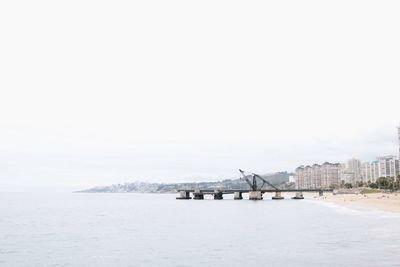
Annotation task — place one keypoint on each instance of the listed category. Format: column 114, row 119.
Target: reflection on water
column 157, row 230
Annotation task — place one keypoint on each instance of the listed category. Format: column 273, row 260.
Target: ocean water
column 69, row 229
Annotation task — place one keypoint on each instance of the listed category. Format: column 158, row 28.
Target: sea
column 129, row 229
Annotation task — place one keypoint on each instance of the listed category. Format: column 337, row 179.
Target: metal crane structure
column 253, row 183
column 256, row 193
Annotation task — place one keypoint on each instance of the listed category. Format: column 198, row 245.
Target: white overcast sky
column 102, row 92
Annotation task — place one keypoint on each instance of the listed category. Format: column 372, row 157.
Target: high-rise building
column 388, row 166
column 398, row 134
column 370, row 171
column 352, row 172
column 330, row 175
column 318, row 176
column 299, row 177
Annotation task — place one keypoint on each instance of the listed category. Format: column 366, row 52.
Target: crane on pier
column 251, row 180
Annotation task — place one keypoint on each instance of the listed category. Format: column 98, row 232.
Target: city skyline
column 352, row 171
column 115, row 179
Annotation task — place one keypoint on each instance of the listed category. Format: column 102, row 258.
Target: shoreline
column 389, row 202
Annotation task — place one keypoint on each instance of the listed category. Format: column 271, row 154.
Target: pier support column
column 184, row 195
column 321, row 193
column 218, row 195
column 278, row 195
column 198, row 195
column 255, row 195
column 299, row 195
column 237, row 195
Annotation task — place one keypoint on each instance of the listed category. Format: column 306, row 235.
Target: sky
column 101, row 92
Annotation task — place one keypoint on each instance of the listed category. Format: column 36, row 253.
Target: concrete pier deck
column 253, row 195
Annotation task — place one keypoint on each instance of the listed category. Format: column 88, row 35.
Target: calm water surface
column 157, row 230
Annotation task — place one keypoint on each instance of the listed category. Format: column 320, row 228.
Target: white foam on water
column 353, row 210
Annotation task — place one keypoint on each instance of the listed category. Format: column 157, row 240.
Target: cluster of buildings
column 318, row 176
column 332, row 175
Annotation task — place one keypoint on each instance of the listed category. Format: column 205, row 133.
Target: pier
column 253, row 195
column 255, row 192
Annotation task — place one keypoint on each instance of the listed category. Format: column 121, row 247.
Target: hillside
column 280, row 179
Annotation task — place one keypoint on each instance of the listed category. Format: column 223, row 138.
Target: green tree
column 348, row 185
column 397, row 183
column 386, row 183
column 360, row 184
column 382, row 183
column 333, row 186
column 373, row 185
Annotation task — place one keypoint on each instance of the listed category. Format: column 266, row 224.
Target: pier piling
column 237, row 195
column 255, row 195
column 218, row 195
column 299, row 195
column 198, row 195
column 184, row 195
column 277, row 196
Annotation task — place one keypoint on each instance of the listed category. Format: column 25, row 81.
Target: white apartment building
column 387, row 166
column 368, row 172
column 351, row 172
column 398, row 136
column 330, row 175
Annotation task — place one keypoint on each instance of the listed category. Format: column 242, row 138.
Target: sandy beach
column 381, row 201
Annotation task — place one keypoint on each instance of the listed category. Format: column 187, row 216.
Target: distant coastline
column 280, row 179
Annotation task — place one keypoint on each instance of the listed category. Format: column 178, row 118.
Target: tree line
column 386, row 183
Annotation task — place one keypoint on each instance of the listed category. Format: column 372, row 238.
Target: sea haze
column 69, row 229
